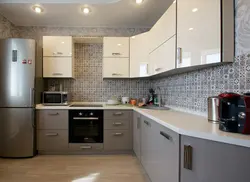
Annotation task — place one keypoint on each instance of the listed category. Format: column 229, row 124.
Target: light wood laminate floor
column 105, row 168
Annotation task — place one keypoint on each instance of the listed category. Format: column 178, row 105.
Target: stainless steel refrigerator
column 17, row 95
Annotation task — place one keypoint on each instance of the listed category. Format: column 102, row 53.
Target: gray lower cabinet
column 159, row 151
column 209, row 161
column 118, row 131
column 137, row 134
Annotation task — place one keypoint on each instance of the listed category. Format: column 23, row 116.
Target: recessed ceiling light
column 85, row 10
column 133, row 37
column 195, row 10
column 119, row 44
column 191, row 29
column 139, row 1
column 37, row 9
column 62, row 42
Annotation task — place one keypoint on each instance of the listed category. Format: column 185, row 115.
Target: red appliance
column 234, row 113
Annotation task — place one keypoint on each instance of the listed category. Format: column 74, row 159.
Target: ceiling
column 123, row 13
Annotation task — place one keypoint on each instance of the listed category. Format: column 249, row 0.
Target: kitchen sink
column 156, row 108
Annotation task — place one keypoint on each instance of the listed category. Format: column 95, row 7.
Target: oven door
column 85, row 130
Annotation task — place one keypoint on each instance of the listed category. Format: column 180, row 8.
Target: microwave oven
column 55, row 98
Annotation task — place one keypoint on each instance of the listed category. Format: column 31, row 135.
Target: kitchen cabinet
column 159, row 151
column 137, row 134
column 115, row 67
column 60, row 46
column 58, row 67
column 163, row 58
column 139, row 55
column 118, row 131
column 206, row 161
column 164, row 29
column 198, row 32
column 116, row 47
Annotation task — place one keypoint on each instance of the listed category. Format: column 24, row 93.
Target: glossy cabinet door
column 164, row 28
column 57, row 67
column 213, row 161
column 198, row 32
column 163, row 58
column 60, row 46
column 139, row 55
column 137, row 134
column 115, row 67
column 116, row 47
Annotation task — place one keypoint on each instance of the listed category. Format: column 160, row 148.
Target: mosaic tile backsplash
column 89, row 86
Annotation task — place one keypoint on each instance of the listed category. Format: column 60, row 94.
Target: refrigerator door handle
column 32, row 95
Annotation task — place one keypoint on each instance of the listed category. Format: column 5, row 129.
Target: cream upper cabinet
column 163, row 58
column 116, row 47
column 115, row 67
column 57, row 67
column 164, row 29
column 199, row 32
column 57, row 46
column 139, row 55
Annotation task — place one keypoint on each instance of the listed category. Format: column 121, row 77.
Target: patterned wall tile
column 89, row 85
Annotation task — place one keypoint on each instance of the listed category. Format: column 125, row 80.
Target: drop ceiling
column 116, row 13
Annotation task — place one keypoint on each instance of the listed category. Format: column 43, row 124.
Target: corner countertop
column 180, row 122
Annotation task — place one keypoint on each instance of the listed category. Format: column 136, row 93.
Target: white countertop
column 180, row 122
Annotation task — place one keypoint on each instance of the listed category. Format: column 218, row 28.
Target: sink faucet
column 159, row 97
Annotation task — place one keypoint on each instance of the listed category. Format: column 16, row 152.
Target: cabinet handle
column 59, row 53
column 166, row 135
column 117, row 134
column 53, row 114
column 188, row 157
column 57, row 74
column 116, row 54
column 158, row 69
column 179, row 55
column 51, row 134
column 86, row 147
column 138, row 123
column 118, row 114
column 116, row 74
column 85, row 118
column 147, row 123
column 117, row 124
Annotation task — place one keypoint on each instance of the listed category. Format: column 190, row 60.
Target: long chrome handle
column 179, row 55
column 86, row 147
column 51, row 134
column 117, row 134
column 188, row 157
column 57, row 74
column 85, row 118
column 166, row 135
column 32, row 95
column 53, row 114
column 118, row 113
column 116, row 54
column 117, row 124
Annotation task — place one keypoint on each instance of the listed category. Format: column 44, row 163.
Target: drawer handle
column 158, row 69
column 117, row 134
column 53, row 114
column 117, row 124
column 51, row 134
column 86, row 147
column 147, row 123
column 166, row 135
column 118, row 114
column 116, row 74
column 179, row 55
column 57, row 74
column 116, row 54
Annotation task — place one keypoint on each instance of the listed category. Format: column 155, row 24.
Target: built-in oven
column 85, row 126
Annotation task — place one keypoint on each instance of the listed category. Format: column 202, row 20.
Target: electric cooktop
column 86, row 105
